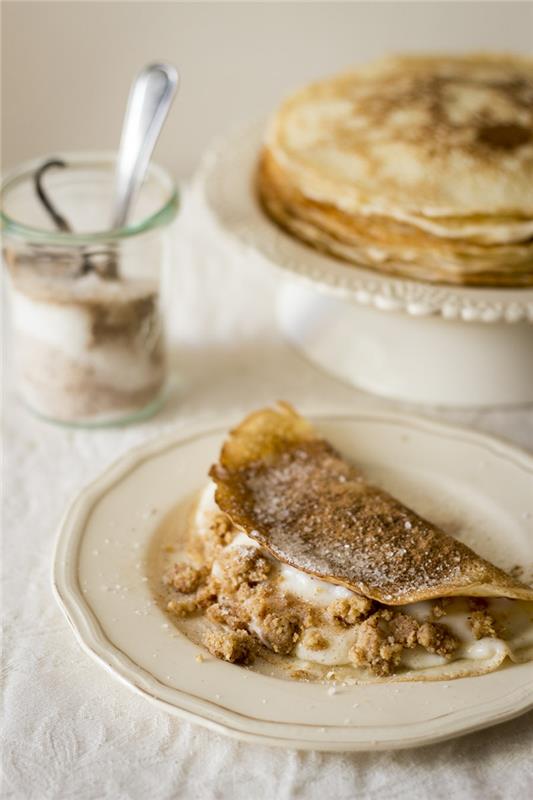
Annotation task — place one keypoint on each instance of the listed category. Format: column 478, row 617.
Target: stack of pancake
column 420, row 167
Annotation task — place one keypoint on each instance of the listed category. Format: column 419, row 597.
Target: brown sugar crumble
column 348, row 611
column 245, row 589
column 218, row 535
column 436, row 638
column 185, row 578
column 181, row 608
column 383, row 636
column 280, row 632
column 243, row 565
column 221, row 529
column 301, row 675
column 234, row 646
column 182, row 604
column 482, row 624
column 225, row 615
column 314, row 640
column 375, row 647
column 404, row 629
column 311, row 616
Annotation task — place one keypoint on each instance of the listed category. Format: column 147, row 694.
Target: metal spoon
column 149, row 101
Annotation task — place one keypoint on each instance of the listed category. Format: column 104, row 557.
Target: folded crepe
column 292, row 492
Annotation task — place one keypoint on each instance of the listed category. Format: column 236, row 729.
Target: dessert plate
column 474, row 486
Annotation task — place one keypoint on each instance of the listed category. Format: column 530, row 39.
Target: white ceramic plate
column 476, row 487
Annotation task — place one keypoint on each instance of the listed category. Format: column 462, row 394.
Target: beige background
column 67, row 66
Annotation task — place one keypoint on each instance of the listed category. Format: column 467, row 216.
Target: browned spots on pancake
column 432, row 96
column 504, row 136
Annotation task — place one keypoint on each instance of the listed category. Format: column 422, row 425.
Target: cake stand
column 404, row 339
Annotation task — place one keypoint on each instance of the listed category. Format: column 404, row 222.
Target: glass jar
column 86, row 319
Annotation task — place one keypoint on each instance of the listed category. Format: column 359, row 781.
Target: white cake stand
column 399, row 338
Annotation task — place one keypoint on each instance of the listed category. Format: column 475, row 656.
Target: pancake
column 294, row 560
column 290, row 491
column 282, row 592
column 415, row 165
column 388, row 244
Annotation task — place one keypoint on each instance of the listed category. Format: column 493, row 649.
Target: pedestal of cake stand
column 419, row 359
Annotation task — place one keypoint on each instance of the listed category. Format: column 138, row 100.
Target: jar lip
column 164, row 215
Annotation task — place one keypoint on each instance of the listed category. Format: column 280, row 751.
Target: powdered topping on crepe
column 293, row 493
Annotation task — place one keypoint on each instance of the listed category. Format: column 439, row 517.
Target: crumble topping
column 349, row 610
column 301, row 675
column 221, row 530
column 182, row 604
column 215, row 538
column 482, row 624
column 234, row 646
column 376, row 648
column 182, row 608
column 314, row 640
column 225, row 615
column 280, row 632
column 311, row 616
column 383, row 636
column 436, row 638
column 185, row 578
column 242, row 565
column 235, row 595
column 404, row 629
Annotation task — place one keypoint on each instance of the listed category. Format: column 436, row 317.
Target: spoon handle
column 149, row 100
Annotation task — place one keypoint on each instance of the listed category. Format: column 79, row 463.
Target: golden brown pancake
column 390, row 245
column 415, row 166
column 292, row 492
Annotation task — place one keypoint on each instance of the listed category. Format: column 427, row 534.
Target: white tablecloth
column 71, row 730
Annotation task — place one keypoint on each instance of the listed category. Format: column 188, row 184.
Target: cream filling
column 517, row 616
